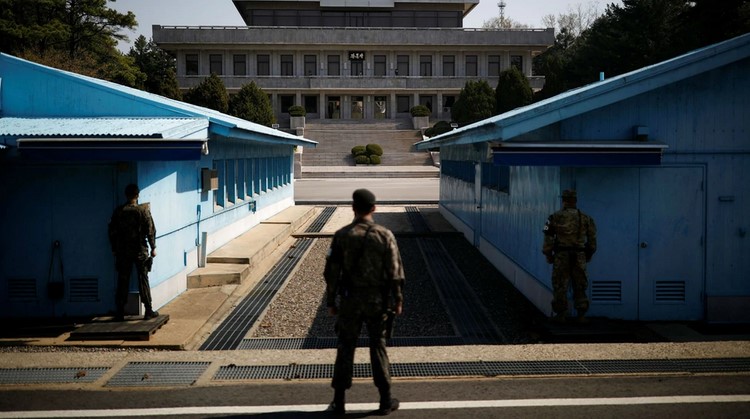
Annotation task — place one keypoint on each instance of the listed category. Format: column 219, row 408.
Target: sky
column 223, row 13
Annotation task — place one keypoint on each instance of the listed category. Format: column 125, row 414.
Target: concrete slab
column 216, row 274
column 134, row 329
column 256, row 244
column 295, row 216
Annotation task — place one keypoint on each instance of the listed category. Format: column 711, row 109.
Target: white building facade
column 341, row 60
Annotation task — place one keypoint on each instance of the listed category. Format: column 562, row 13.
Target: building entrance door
column 333, row 110
column 381, row 107
column 358, row 107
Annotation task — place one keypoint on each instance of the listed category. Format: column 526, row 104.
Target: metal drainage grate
column 489, row 369
column 331, row 342
column 317, row 225
column 136, row 374
column 465, row 310
column 233, row 329
column 418, row 223
column 51, row 375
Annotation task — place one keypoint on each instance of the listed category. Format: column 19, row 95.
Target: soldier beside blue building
column 569, row 243
column 364, row 270
column 131, row 232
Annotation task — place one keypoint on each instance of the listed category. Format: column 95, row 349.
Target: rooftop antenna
column 501, row 5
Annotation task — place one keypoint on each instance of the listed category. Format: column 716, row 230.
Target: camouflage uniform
column 364, row 278
column 569, row 243
column 131, row 231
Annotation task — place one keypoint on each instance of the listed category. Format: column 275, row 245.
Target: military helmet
column 569, row 194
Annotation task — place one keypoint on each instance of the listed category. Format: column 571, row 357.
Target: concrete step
column 363, row 171
column 233, row 262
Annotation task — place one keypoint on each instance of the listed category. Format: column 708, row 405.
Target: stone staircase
column 336, row 139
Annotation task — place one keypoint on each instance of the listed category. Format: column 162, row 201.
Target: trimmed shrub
column 374, row 159
column 420, row 110
column 362, row 159
column 359, row 150
column 297, row 110
column 374, row 150
column 439, row 128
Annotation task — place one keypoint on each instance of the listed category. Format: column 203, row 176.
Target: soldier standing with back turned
column 569, row 243
column 131, row 231
column 364, row 269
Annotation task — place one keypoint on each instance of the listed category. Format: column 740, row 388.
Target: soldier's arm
column 332, row 272
column 394, row 269
column 548, row 246
column 591, row 238
column 150, row 230
column 112, row 229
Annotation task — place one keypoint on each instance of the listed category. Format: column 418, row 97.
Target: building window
column 287, row 101
column 357, row 68
column 403, row 103
column 214, row 64
column 496, row 177
column 517, row 62
column 334, row 65
column 471, row 66
column 458, row 169
column 287, row 65
column 231, row 181
column 402, row 65
column 311, row 104
column 425, row 65
column 311, row 65
column 264, row 65
column 493, row 66
column 380, row 65
column 191, row 64
column 240, row 65
column 219, row 194
column 449, row 65
column 241, row 188
column 257, row 186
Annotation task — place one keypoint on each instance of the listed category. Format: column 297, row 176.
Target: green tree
column 210, row 93
column 513, row 90
column 552, row 65
column 475, row 102
column 158, row 67
column 252, row 103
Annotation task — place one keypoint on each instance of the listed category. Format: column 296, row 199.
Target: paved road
column 726, row 396
column 394, row 190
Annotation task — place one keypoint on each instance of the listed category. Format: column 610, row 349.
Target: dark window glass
column 334, row 65
column 517, row 62
column 356, row 20
column 311, row 65
column 261, row 18
column 380, row 19
column 403, row 103
column 425, row 19
column 380, row 65
column 286, row 102
column 449, row 20
column 214, row 62
column 334, row 19
column 286, row 18
column 311, row 104
column 471, row 66
column 496, row 177
column 310, row 18
column 287, row 65
column 403, row 19
column 357, row 68
column 191, row 64
column 402, row 68
column 449, row 65
column 240, row 65
column 425, row 65
column 264, row 65
column 493, row 65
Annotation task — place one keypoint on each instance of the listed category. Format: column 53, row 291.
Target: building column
column 392, row 112
column 439, row 105
column 323, row 106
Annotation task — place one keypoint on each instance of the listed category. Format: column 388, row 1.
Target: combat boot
column 338, row 405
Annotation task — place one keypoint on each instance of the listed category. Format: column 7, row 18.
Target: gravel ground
column 299, row 310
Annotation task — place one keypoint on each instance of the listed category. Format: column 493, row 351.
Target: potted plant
column 420, row 116
column 297, row 117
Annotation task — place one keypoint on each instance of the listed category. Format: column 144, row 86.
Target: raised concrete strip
column 231, row 263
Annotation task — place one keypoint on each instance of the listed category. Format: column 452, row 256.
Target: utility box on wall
column 209, row 179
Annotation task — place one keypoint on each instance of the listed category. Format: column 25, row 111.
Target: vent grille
column 606, row 291
column 84, row 289
column 670, row 291
column 22, row 289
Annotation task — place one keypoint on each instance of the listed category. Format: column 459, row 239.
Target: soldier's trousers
column 353, row 311
column 569, row 266
column 124, row 266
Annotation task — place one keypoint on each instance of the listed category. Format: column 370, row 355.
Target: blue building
column 660, row 158
column 68, row 146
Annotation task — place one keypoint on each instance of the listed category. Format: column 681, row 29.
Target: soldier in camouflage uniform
column 131, row 232
column 569, row 243
column 364, row 270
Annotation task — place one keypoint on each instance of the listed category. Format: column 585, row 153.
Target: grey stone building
column 348, row 59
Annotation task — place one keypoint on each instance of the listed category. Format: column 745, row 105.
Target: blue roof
column 20, row 76
column 104, row 127
column 578, row 101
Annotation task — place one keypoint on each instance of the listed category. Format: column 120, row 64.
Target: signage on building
column 356, row 55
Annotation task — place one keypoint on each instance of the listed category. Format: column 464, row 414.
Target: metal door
column 477, row 203
column 671, row 244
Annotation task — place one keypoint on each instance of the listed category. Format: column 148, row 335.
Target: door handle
column 644, row 245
